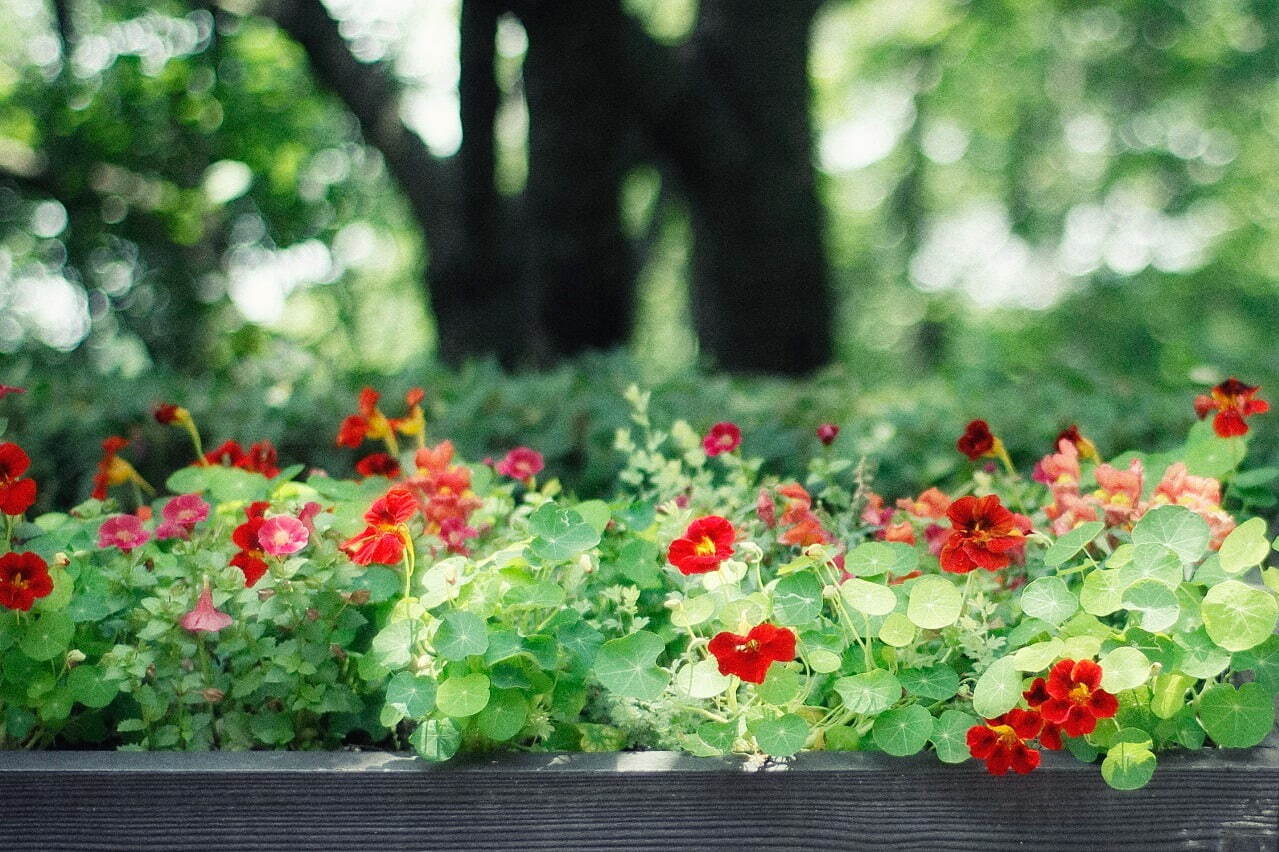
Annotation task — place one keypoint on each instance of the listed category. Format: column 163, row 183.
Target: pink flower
column 1199, row 494
column 122, row 531
column 454, row 532
column 308, row 513
column 5, row 390
column 282, row 535
column 1060, row 469
column 521, row 463
column 169, row 530
column 827, row 433
column 723, row 438
column 1119, row 492
column 185, row 510
column 205, row 617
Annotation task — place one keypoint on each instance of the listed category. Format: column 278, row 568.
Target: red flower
column 707, row 542
column 5, row 390
column 983, row 534
column 251, row 558
column 23, row 578
column 455, row 533
column 1087, row 449
column 384, row 539
column 827, row 433
column 977, row 440
column 723, row 438
column 352, row 431
column 749, row 656
column 372, row 425
column 261, row 457
column 171, row 415
column 113, row 470
column 1233, row 401
column 16, row 494
column 1072, row 697
column 1002, row 742
column 521, row 463
column 378, row 464
column 230, row 454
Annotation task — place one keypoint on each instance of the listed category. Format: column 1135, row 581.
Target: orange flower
column 930, row 504
column 983, row 534
column 384, row 539
column 1233, row 401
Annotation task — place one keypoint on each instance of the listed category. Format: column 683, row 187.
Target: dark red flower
column 352, row 431
column 113, row 470
column 1087, row 449
column 977, row 440
column 171, row 415
column 723, row 438
column 16, row 494
column 983, row 534
column 378, row 464
column 1002, row 742
column 261, row 458
column 229, row 454
column 749, row 656
column 827, row 433
column 706, row 543
column 254, row 567
column 1233, row 401
column 1072, row 697
column 521, row 463
column 384, row 539
column 252, row 558
column 23, row 578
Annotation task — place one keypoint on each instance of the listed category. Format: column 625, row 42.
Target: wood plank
column 659, row 800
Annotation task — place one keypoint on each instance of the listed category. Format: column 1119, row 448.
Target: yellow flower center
column 1006, row 734
column 705, row 547
column 1080, row 694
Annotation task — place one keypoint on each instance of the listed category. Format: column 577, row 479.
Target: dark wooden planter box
column 655, row 800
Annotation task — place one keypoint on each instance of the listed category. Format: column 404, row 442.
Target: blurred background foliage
column 1039, row 212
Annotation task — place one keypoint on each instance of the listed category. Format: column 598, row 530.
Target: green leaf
column 780, row 737
column 1039, row 656
column 897, row 631
column 998, row 689
column 1128, row 766
column 1263, row 661
column 872, row 558
column 436, row 739
column 381, row 582
column 1067, row 546
column 48, row 636
column 702, row 679
column 903, row 730
column 1168, row 694
column 460, row 635
column 936, row 683
column 1215, row 457
column 1176, row 528
column 869, row 693
column 1155, row 603
column 1245, row 547
column 781, row 685
column 950, row 735
column 1198, row 656
column 868, row 598
column 560, row 534
column 626, row 666
column 463, row 696
column 272, row 728
column 391, row 646
column 542, row 594
column 410, row 695
column 1049, row 598
column 90, row 687
column 1237, row 616
column 1237, row 718
column 1154, row 562
column 596, row 513
column 505, row 715
column 797, row 599
column 934, row 602
column 639, row 561
column 1124, row 668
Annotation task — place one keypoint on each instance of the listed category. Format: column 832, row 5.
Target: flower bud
column 337, row 651
column 212, row 695
column 74, row 657
column 312, row 614
column 750, row 552
column 266, row 594
column 359, row 597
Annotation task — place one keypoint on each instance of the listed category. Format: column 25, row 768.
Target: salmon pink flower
column 902, row 532
column 16, row 494
column 1001, row 742
column 443, row 488
column 1119, row 492
column 1072, row 697
column 749, row 656
column 827, row 433
column 932, row 503
column 983, row 534
column 378, row 464
column 1059, row 469
column 122, row 531
column 706, row 543
column 384, row 540
column 1234, row 402
column 1200, row 494
column 521, row 463
column 282, row 535
column 1086, row 448
column 875, row 512
column 723, row 438
column 803, row 526
column 765, row 508
column 205, row 617
column 23, row 578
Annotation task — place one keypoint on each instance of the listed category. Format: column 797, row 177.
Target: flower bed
column 1108, row 610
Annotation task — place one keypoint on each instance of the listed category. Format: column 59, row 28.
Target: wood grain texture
column 260, row 801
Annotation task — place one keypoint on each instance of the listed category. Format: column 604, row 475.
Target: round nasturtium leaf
column 998, row 689
column 1198, row 656
column 1155, row 603
column 1102, row 592
column 1237, row 616
column 411, row 695
column 1237, row 718
column 897, row 631
column 461, row 634
column 1038, row 656
column 505, row 715
column 872, row 558
column 934, row 603
column 869, row 693
column 950, row 735
column 1049, row 598
column 797, row 599
column 866, row 597
column 464, row 696
column 436, row 739
column 1245, row 547
column 1065, row 548
column 1124, row 668
column 627, row 666
column 1263, row 661
column 1128, row 766
column 780, row 737
column 903, row 730
column 702, row 679
column 90, row 688
column 781, row 684
column 47, row 636
column 1175, row 527
column 936, row 683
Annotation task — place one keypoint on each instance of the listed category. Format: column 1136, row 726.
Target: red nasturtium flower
column 23, row 578
column 706, row 543
column 983, row 534
column 372, row 425
column 378, row 464
column 749, row 656
column 1072, row 697
column 723, row 438
column 1233, row 401
column 113, row 470
column 977, row 440
column 16, row 494
column 521, row 463
column 384, row 539
column 260, row 458
column 251, row 558
column 1002, row 742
